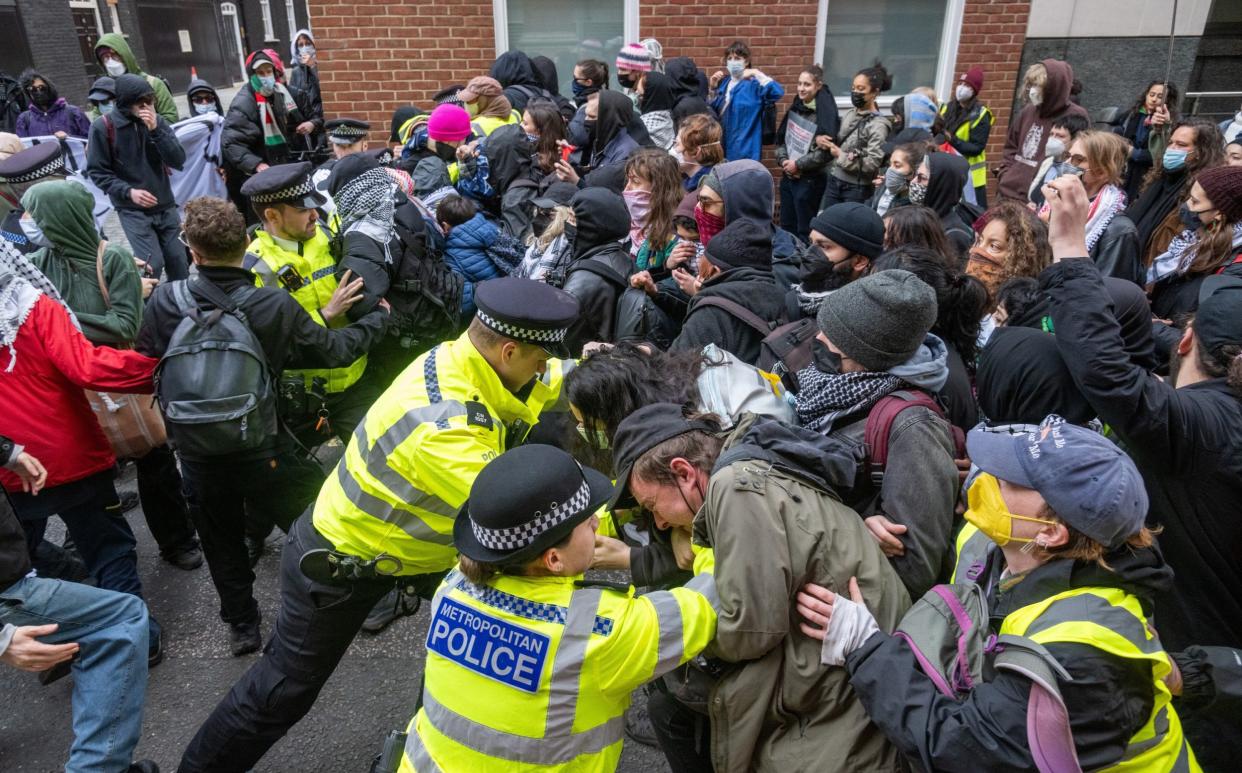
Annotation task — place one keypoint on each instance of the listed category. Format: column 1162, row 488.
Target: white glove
column 852, row 625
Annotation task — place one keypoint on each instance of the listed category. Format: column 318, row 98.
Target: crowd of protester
column 909, row 479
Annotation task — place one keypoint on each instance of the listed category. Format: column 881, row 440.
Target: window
column 291, row 18
column 916, row 40
column 566, row 31
column 269, row 34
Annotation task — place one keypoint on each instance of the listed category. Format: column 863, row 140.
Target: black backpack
column 786, row 346
column 213, row 382
column 425, row 293
column 12, row 102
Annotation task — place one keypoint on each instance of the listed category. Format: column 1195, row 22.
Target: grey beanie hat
column 880, row 320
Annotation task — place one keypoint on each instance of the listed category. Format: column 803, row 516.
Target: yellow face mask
column 472, row 108
column 988, row 512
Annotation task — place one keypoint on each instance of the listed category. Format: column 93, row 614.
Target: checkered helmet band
column 518, row 333
column 518, row 537
column 344, row 130
column 51, row 167
column 303, row 188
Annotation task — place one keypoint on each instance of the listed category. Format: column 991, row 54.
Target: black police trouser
column 314, row 627
column 163, row 501
column 683, row 733
column 222, row 493
column 153, row 237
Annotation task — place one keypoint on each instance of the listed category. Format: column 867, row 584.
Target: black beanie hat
column 742, row 243
column 854, row 226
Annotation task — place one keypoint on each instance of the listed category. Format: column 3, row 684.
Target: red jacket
column 42, row 405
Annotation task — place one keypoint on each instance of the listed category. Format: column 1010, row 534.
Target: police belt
column 332, row 567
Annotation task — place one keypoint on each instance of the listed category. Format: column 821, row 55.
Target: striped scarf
column 272, row 135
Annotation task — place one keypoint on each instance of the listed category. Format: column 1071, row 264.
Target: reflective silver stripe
column 1090, row 608
column 570, row 655
column 376, row 459
column 418, row 754
column 1160, row 726
column 375, row 507
column 705, row 584
column 979, row 165
column 672, row 641
column 1182, row 764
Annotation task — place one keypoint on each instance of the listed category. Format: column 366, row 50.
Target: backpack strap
column 110, row 133
column 735, row 310
column 228, row 303
column 880, row 424
column 1047, row 720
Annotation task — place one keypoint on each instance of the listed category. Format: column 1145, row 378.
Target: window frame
column 500, row 14
column 946, row 60
column 269, row 32
column 291, row 18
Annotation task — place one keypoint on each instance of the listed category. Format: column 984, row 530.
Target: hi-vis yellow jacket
column 535, row 673
column 410, row 464
column 314, row 263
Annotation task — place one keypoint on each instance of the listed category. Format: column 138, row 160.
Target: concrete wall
column 1114, row 18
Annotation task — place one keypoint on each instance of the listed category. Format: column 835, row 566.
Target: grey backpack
column 213, row 382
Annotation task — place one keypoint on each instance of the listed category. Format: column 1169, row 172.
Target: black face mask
column 824, row 359
column 626, row 81
column 858, row 99
column 818, row 274
column 540, row 221
column 41, row 97
column 446, row 153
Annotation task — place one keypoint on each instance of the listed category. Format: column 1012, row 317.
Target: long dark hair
column 961, row 299
column 551, row 127
column 1171, row 95
column 1209, row 151
column 877, row 76
column 917, row 226
column 610, row 385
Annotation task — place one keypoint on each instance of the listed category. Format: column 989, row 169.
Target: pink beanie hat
column 448, row 123
column 634, row 57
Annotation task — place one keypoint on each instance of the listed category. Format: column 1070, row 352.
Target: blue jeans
column 110, row 672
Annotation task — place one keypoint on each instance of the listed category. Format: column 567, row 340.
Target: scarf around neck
column 272, row 135
column 825, row 397
column 1104, row 207
column 21, row 284
column 1181, row 253
column 366, row 204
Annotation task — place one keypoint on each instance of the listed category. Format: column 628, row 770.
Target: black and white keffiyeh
column 824, row 397
column 366, row 204
column 21, row 284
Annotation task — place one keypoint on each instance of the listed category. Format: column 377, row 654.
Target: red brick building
column 378, row 54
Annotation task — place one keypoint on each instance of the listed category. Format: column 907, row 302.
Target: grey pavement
column 372, row 691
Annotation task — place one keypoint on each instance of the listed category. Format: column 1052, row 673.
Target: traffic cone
column 193, row 72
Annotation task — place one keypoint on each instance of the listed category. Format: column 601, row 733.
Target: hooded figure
column 1024, row 146
column 656, row 106
column 746, row 188
column 545, row 71
column 947, row 173
column 690, row 84
column 516, row 75
column 164, row 104
column 64, row 212
column 601, row 267
column 258, row 126
column 364, row 195
column 48, row 112
column 200, row 86
column 1022, row 379
column 611, row 142
column 303, row 83
column 122, row 154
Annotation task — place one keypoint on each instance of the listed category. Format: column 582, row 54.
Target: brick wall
column 993, row 33
column 376, row 55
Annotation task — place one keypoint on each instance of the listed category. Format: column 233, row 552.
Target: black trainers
column 155, row 652
column 254, row 550
column 638, row 725
column 144, row 766
column 189, row 559
column 245, row 638
column 396, row 603
column 129, row 500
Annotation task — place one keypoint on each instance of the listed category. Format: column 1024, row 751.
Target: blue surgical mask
column 267, row 83
column 894, row 181
column 1173, row 159
column 105, row 108
column 204, row 109
column 735, row 67
column 34, row 234
column 306, row 50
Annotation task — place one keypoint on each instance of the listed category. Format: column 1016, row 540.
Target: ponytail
column 877, row 76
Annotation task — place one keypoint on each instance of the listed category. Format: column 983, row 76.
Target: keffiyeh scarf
column 1104, row 207
column 1181, row 254
column 366, row 204
column 825, row 397
column 21, row 284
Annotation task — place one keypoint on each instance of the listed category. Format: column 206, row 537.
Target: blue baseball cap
column 1089, row 482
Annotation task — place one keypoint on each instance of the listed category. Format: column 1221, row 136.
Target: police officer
column 18, row 173
column 347, row 135
column 528, row 664
column 274, row 480
column 385, row 515
column 293, row 251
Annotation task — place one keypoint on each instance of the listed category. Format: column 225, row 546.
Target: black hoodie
column 122, row 155
column 948, row 173
column 513, row 69
column 601, row 267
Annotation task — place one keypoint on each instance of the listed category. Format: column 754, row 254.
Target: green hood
column 118, row 44
column 65, row 212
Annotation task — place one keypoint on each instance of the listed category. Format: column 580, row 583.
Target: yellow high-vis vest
column 314, row 263
column 978, row 163
column 535, row 673
column 409, row 467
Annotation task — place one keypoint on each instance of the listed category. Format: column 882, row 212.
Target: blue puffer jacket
column 466, row 253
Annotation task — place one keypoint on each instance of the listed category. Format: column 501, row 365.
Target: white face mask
column 1054, row 147
column 964, row 92
column 204, row 109
column 34, row 234
column 1035, row 95
column 115, row 67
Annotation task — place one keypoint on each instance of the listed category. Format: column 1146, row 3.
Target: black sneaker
column 144, row 766
column 255, row 548
column 245, row 638
column 189, row 559
column 396, row 603
column 129, row 500
column 638, row 725
column 155, row 652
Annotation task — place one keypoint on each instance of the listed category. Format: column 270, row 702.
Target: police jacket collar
column 460, row 355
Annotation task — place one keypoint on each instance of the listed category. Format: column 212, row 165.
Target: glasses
column 181, row 238
column 204, row 100
column 37, row 89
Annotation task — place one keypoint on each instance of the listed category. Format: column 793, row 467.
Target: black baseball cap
column 642, row 431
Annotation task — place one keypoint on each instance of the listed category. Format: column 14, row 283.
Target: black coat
column 123, row 155
column 304, row 86
column 1117, row 253
column 14, row 555
column 241, row 140
column 288, row 335
column 1109, row 699
column 601, row 267
column 1186, row 442
column 755, row 290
